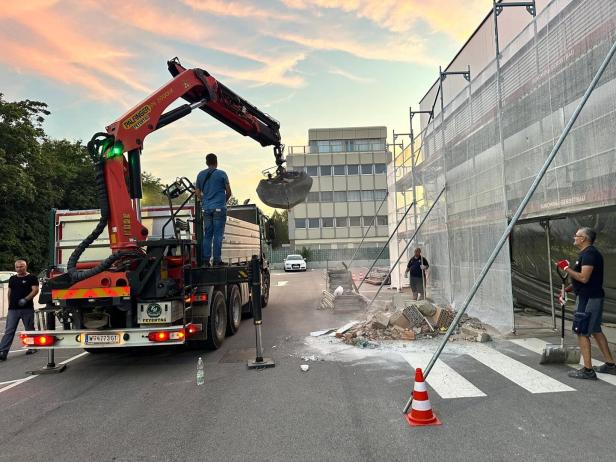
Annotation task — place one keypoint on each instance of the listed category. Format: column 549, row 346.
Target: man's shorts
column 417, row 284
column 594, row 306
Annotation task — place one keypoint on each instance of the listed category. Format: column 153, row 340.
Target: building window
column 368, row 221
column 353, row 196
column 327, row 222
column 336, row 145
column 339, row 170
column 355, row 221
column 342, row 222
column 312, row 197
column 366, row 169
column 380, row 168
column 323, row 146
column 312, row 170
column 367, row 195
column 313, row 222
column 381, row 220
column 327, row 196
column 300, row 223
column 340, row 196
column 353, row 169
column 326, row 170
column 379, row 194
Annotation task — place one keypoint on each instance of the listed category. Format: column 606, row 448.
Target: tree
column 233, row 201
column 280, row 223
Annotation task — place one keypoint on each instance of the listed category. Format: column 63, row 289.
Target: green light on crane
column 116, row 150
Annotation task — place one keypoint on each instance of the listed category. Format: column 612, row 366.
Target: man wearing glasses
column 587, row 282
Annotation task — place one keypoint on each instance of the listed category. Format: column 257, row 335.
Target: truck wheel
column 217, row 321
column 234, row 313
column 265, row 288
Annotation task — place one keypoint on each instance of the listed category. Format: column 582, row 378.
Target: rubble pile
column 411, row 320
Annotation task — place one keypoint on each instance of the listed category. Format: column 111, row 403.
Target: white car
column 294, row 263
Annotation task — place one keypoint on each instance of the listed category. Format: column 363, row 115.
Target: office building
column 348, row 168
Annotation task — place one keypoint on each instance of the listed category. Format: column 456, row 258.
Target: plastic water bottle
column 200, row 372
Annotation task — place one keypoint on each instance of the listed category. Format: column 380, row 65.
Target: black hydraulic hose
column 76, row 275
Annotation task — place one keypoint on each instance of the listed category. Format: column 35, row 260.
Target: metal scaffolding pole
column 407, row 245
column 347, row 266
column 385, row 246
column 519, row 211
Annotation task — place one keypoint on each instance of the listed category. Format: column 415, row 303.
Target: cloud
column 238, row 9
column 352, row 77
column 457, row 18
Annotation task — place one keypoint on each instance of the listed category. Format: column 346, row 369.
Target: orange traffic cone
column 421, row 409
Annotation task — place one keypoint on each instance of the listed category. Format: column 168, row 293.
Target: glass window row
column 339, row 222
column 343, row 170
column 356, row 145
column 346, row 196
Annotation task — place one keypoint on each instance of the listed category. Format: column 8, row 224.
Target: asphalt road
column 146, row 405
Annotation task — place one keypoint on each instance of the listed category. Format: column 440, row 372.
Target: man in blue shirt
column 213, row 188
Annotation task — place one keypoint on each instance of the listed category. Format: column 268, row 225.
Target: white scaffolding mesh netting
column 487, row 154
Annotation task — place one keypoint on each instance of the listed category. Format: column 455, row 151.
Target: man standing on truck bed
column 213, row 188
column 23, row 287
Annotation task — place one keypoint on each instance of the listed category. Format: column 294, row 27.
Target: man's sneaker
column 605, row 369
column 31, row 352
column 3, row 355
column 220, row 263
column 583, row 373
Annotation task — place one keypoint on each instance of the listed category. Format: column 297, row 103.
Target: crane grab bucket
column 285, row 189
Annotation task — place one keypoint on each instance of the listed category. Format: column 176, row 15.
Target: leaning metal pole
column 518, row 212
column 366, row 233
column 406, row 246
column 408, row 209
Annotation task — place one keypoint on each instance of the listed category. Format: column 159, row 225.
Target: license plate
column 101, row 339
column 295, row 266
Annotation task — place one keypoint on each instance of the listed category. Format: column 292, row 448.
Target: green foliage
column 306, row 253
column 280, row 222
column 233, row 201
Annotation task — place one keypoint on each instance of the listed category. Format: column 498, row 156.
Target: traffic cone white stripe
column 421, row 405
column 420, row 386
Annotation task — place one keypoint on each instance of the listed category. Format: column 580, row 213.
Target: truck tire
column 217, row 321
column 265, row 288
column 234, row 312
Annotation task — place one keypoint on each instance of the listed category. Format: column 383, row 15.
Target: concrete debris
column 340, row 294
column 408, row 321
column 377, row 276
column 304, row 367
column 380, row 320
column 312, row 358
column 318, row 333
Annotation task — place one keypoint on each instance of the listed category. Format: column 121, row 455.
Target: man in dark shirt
column 23, row 287
column 416, row 267
column 587, row 283
column 213, row 188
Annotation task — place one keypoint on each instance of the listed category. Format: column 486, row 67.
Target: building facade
column 349, row 189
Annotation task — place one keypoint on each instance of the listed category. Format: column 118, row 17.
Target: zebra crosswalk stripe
column 519, row 373
column 537, row 345
column 446, row 382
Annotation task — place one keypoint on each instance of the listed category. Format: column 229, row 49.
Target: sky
column 308, row 63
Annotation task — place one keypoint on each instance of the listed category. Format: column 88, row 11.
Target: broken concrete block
column 413, row 315
column 445, row 318
column 407, row 335
column 380, row 320
column 425, row 307
column 433, row 319
column 479, row 335
column 398, row 319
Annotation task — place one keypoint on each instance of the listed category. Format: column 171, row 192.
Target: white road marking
column 20, row 381
column 519, row 373
column 282, row 283
column 442, row 378
column 536, row 345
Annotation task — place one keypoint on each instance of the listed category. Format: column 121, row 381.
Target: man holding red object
column 587, row 283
